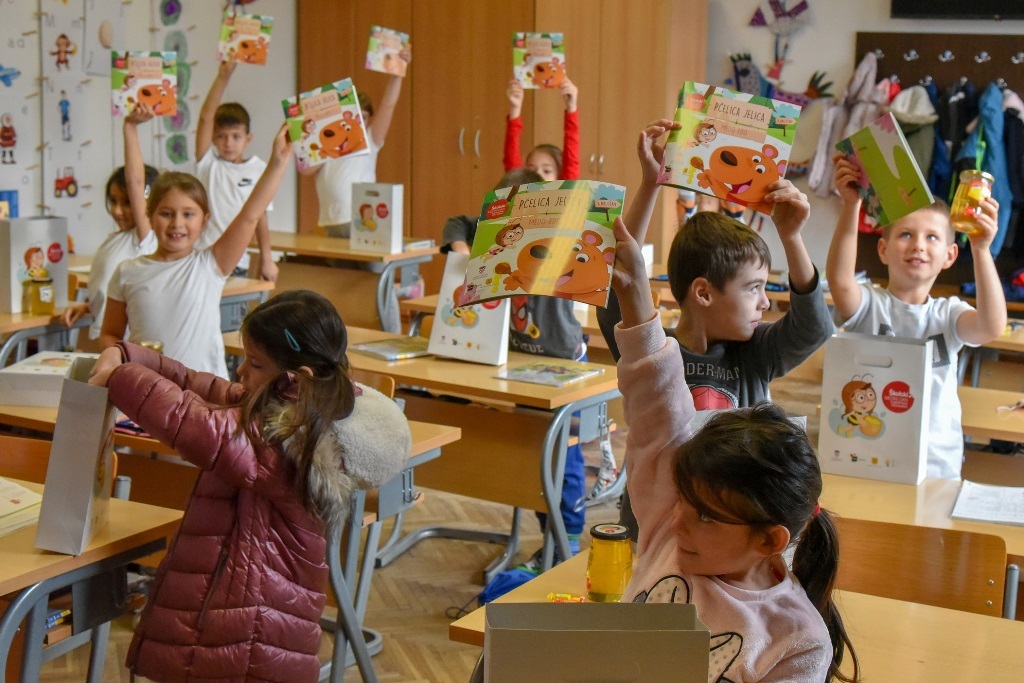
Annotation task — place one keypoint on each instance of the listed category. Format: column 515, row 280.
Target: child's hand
column 650, row 150
column 268, row 269
column 791, row 208
column 140, row 114
column 515, row 98
column 569, row 94
column 988, row 225
column 226, row 68
column 73, row 312
column 846, row 178
column 282, row 148
column 109, row 361
column 405, row 54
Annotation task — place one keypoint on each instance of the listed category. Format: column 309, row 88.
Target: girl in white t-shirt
column 129, row 241
column 173, row 296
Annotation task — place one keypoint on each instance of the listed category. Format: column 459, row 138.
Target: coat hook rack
column 910, row 55
column 1017, row 58
column 878, row 53
column 982, row 57
column 946, row 56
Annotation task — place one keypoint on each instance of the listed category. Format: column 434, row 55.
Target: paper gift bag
column 34, row 248
column 377, row 217
column 875, row 403
column 80, row 473
column 620, row 642
column 477, row 333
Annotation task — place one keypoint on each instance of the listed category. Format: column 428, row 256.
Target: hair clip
column 292, row 344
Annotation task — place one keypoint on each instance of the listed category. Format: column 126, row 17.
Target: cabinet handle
column 476, row 143
column 592, row 163
column 462, row 134
column 600, row 164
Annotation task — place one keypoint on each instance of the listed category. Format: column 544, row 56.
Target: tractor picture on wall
column 65, row 182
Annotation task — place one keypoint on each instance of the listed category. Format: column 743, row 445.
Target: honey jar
column 974, row 188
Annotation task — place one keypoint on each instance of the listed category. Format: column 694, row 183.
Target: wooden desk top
column 1011, row 340
column 236, row 286
column 894, row 640
column 130, row 525
column 337, row 247
column 981, row 419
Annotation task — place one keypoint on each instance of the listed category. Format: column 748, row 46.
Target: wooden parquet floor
column 409, row 598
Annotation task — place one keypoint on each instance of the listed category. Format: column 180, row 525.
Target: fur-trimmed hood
column 365, row 450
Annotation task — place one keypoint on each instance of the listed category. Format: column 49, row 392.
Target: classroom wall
column 97, row 147
column 825, row 44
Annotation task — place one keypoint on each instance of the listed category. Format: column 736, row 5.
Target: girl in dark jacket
column 239, row 595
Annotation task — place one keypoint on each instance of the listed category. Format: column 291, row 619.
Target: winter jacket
column 240, row 593
column 916, row 115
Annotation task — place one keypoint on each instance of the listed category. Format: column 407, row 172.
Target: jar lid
column 610, row 532
column 42, row 279
column 973, row 173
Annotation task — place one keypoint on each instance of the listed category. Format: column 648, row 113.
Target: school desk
column 134, row 530
column 981, row 418
column 336, row 252
column 512, row 454
column 894, row 640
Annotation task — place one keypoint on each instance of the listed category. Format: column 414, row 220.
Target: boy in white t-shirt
column 221, row 139
column 916, row 248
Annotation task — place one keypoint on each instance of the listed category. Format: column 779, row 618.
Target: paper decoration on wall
column 176, row 41
column 169, row 12
column 105, row 28
column 783, row 22
column 170, row 18
column 20, row 171
column 7, row 75
column 8, row 138
column 64, row 49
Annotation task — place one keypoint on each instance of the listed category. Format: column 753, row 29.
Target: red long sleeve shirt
column 570, row 145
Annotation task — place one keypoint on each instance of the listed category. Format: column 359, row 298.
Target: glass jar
column 37, row 296
column 610, row 565
column 974, row 188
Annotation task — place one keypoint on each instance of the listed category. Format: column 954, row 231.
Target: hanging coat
column 916, row 116
column 941, row 167
column 990, row 128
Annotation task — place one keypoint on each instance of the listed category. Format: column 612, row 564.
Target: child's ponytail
column 816, row 565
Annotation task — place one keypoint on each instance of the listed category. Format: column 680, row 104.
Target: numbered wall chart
column 20, row 170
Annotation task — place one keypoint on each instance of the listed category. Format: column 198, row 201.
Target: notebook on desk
column 983, row 503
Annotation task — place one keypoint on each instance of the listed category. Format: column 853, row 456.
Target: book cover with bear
column 730, row 145
column 325, row 123
column 244, row 38
column 144, row 78
column 382, row 52
column 538, row 60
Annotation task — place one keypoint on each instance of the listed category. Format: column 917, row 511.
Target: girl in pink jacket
column 716, row 509
column 240, row 593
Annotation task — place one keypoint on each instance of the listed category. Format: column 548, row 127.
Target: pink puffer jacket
column 240, row 593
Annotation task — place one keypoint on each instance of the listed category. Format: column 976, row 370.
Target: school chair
column 959, row 570
column 27, row 459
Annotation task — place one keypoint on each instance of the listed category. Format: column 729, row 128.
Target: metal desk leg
column 35, row 627
column 1010, row 591
column 350, row 632
column 100, row 640
column 415, row 322
column 385, row 289
column 552, row 465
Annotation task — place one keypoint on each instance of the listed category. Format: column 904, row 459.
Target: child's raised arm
column 651, row 152
column 629, row 278
column 228, row 249
column 386, row 111
column 513, row 125
column 204, row 131
column 789, row 215
column 571, row 132
column 135, row 168
column 988, row 320
column 841, row 266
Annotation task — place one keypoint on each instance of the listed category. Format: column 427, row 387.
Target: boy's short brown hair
column 712, row 246
column 231, row 114
column 938, row 206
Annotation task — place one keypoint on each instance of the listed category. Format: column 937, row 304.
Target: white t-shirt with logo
column 227, row 186
column 177, row 303
column 119, row 246
column 335, row 179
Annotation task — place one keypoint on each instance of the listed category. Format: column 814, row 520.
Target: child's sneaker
column 607, row 474
column 535, row 563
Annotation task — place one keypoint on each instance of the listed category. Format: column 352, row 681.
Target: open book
column 891, row 183
column 19, row 507
column 398, row 348
column 244, row 37
column 144, row 78
column 982, row 503
column 553, row 239
column 538, row 60
column 546, row 372
column 730, row 145
column 325, row 123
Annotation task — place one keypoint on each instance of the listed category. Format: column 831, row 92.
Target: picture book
column 982, row 503
column 538, row 60
column 891, row 182
column 19, row 507
column 551, row 374
column 325, row 123
column 144, row 78
column 730, row 144
column 398, row 348
column 552, row 239
column 476, row 333
column 382, row 53
column 244, row 37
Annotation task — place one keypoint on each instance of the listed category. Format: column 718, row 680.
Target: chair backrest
column 942, row 567
column 382, row 383
column 24, row 459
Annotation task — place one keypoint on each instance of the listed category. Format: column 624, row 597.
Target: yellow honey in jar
column 610, row 565
column 974, row 188
column 37, row 296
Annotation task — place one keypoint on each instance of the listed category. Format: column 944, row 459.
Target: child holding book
column 228, row 176
column 174, row 295
column 718, row 508
column 547, row 160
column 916, row 248
column 717, row 270
column 129, row 241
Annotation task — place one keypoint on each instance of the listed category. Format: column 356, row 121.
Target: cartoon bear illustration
column 162, row 98
column 741, row 175
column 584, row 278
column 549, row 74
column 340, row 137
column 252, row 50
